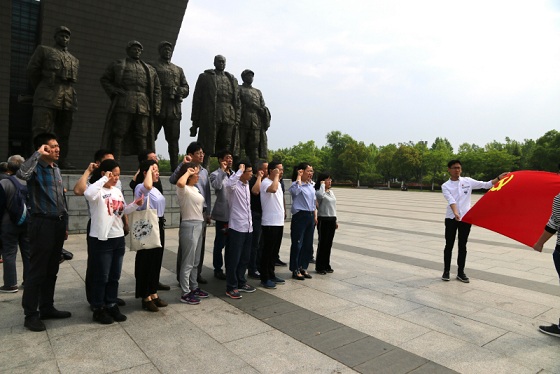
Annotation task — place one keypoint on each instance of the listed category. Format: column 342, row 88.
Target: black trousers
column 452, row 226
column 46, row 238
column 326, row 228
column 147, row 266
column 272, row 239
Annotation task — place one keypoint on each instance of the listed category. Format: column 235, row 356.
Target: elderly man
column 135, row 93
column 216, row 110
column 255, row 119
column 53, row 72
column 174, row 88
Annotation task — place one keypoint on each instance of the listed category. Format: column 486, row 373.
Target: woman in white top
column 147, row 264
column 107, row 207
column 191, row 203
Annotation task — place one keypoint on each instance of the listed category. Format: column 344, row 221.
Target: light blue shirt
column 303, row 197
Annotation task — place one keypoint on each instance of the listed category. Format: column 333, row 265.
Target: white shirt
column 272, row 205
column 107, row 207
column 459, row 192
column 191, row 203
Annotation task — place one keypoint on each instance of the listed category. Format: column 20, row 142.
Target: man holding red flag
column 457, row 191
column 550, row 229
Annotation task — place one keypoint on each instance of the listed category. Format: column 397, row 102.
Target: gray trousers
column 190, row 236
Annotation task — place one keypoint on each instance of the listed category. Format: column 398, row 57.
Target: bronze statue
column 216, row 110
column 174, row 88
column 255, row 119
column 52, row 72
column 135, row 93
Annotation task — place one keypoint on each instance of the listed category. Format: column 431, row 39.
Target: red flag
column 518, row 206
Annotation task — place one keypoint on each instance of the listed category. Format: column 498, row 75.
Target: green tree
column 546, row 153
column 385, row 162
column 355, row 158
column 336, row 144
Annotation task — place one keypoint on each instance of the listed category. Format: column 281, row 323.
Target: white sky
column 385, row 71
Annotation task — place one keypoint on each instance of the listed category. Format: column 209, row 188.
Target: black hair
column 43, row 138
column 300, row 166
column 144, row 167
column 184, row 169
column 322, row 176
column 143, row 155
column 106, row 165
column 194, row 147
column 98, row 156
column 453, row 162
column 223, row 153
column 273, row 165
column 247, row 164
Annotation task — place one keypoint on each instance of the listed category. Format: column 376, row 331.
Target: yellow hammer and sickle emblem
column 498, row 186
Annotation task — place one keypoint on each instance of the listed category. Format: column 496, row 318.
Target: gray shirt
column 326, row 201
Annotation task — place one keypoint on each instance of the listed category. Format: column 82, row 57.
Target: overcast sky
column 385, row 71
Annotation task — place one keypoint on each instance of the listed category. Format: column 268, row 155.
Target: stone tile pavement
column 383, row 310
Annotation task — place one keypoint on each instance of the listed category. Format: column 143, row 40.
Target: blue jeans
column 301, row 250
column 12, row 236
column 238, row 253
column 107, row 258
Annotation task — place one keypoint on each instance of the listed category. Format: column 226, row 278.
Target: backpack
column 18, row 208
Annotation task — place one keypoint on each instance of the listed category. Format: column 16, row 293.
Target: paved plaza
column 383, row 310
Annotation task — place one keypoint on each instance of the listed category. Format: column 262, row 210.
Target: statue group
column 145, row 98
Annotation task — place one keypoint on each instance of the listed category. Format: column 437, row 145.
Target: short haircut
column 4, row 167
column 453, row 162
column 143, row 154
column 194, row 147
column 273, row 165
column 14, row 163
column 259, row 164
column 98, row 156
column 247, row 164
column 43, row 138
column 322, row 176
column 223, row 153
column 144, row 167
column 106, row 165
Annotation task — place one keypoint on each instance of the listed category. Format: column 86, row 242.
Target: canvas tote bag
column 144, row 228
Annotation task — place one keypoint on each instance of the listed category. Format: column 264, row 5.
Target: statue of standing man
column 255, row 119
column 53, row 72
column 216, row 110
column 174, row 88
column 135, row 93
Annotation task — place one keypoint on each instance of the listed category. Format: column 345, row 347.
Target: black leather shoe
column 279, row 263
column 297, row 275
column 163, row 287
column 220, row 275
column 120, row 302
column 33, row 323
column 305, row 274
column 55, row 314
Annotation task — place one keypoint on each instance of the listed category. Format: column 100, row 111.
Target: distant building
column 100, row 31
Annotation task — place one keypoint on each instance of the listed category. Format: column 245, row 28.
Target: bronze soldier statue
column 135, row 93
column 174, row 88
column 255, row 119
column 216, row 110
column 53, row 72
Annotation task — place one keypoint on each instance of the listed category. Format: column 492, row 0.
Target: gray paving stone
column 395, row 361
column 360, row 351
column 329, row 340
